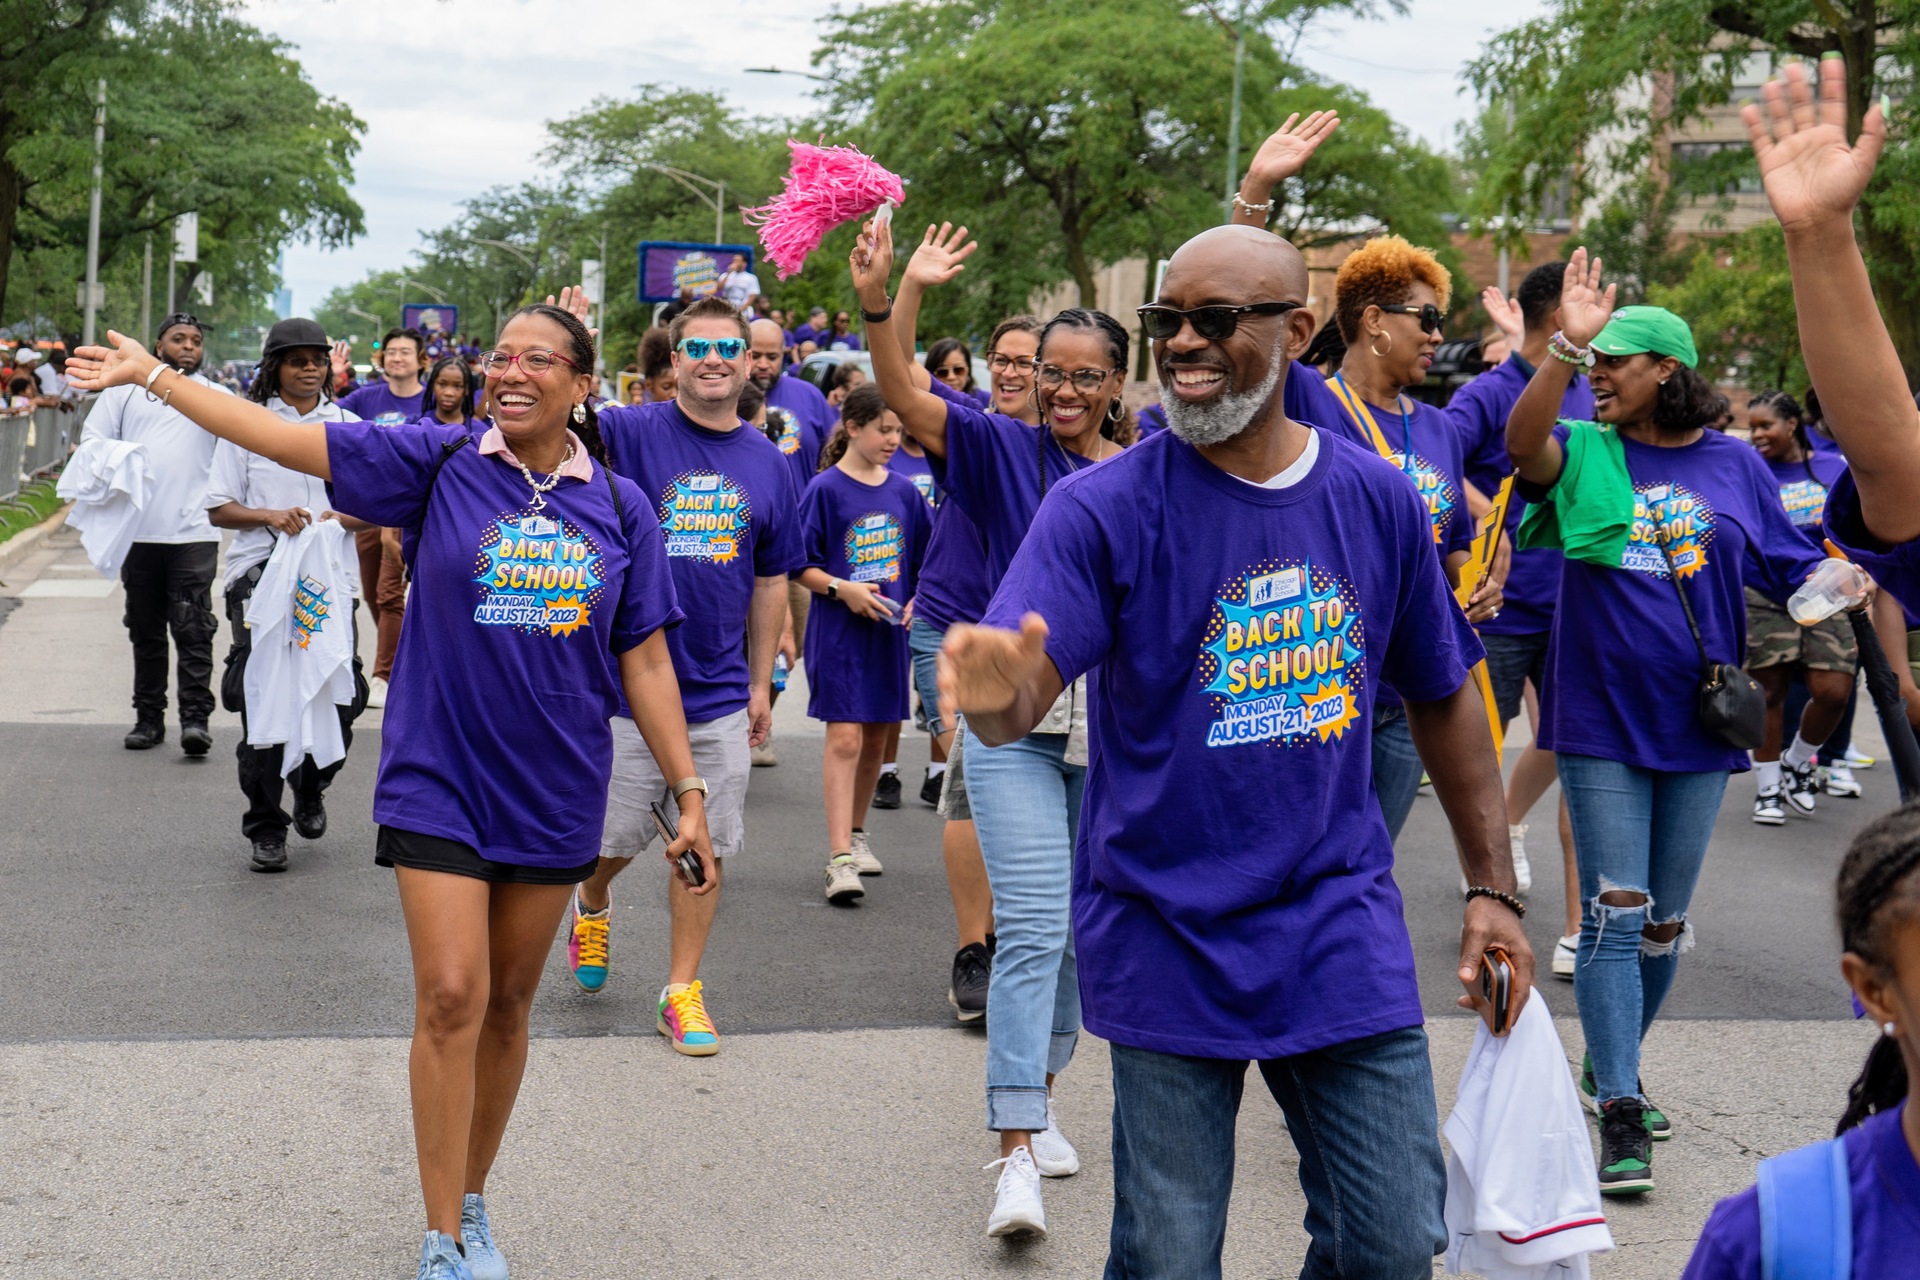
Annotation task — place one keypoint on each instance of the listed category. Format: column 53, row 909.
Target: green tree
column 1601, row 81
column 1738, row 296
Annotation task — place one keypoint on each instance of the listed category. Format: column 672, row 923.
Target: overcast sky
column 456, row 93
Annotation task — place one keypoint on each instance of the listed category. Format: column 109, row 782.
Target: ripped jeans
column 1642, row 832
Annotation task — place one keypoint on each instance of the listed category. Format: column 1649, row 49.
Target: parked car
column 816, row 366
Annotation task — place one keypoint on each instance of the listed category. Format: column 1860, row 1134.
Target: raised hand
column 1584, row 307
column 120, row 362
column 573, row 300
column 983, row 669
column 941, row 256
column 1286, row 151
column 1505, row 314
column 1811, row 175
column 342, row 359
column 871, row 264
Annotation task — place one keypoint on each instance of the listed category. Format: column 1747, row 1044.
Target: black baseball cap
column 176, row 319
column 298, row 332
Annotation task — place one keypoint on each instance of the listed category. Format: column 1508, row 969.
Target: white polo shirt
column 263, row 484
column 179, row 458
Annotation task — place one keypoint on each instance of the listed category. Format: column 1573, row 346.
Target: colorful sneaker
column 1016, row 1201
column 1659, row 1128
column 1769, row 809
column 1522, row 869
column 587, row 945
column 863, row 860
column 843, row 880
column 484, row 1259
column 1626, row 1150
column 1842, row 783
column 886, row 793
column 681, row 1017
column 1053, row 1155
column 440, row 1259
column 1856, row 759
column 1801, row 786
column 1566, row 956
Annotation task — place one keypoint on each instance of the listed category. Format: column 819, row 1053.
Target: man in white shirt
column 739, row 286
column 264, row 501
column 168, row 573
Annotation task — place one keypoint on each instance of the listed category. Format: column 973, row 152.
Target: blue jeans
column 923, row 642
column 1363, row 1118
column 1026, row 808
column 1396, row 767
column 1639, row 831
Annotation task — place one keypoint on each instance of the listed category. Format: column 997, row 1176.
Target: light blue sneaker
column 440, row 1259
column 484, row 1259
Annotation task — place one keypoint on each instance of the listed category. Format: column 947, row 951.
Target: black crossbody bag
column 1730, row 703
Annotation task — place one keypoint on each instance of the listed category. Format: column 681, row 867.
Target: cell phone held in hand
column 689, row 862
column 1496, row 984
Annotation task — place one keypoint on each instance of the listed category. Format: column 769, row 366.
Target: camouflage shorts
column 1775, row 639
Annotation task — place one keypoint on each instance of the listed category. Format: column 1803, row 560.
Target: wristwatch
column 695, row 783
column 833, row 588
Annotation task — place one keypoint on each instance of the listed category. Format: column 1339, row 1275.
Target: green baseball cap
column 1652, row 329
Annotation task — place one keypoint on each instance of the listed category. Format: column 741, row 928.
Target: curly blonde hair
column 1381, row 273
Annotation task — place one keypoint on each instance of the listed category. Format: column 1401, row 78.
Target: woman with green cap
column 1653, row 510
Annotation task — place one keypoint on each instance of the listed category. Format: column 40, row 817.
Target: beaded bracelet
column 1562, row 348
column 1262, row 209
column 1500, row 896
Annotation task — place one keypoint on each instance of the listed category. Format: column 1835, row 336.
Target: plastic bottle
column 780, row 669
column 1835, row 585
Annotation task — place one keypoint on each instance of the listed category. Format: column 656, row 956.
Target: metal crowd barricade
column 13, row 454
column 55, row 430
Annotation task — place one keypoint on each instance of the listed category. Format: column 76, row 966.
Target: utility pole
column 1506, row 265
column 146, row 285
column 93, row 215
column 1233, row 123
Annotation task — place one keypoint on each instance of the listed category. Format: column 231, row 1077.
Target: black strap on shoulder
column 447, row 450
column 619, row 507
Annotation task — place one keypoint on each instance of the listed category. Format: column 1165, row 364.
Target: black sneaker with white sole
column 967, row 990
column 886, row 795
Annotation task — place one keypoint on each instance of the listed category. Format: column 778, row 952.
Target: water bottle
column 896, row 613
column 1835, row 585
column 780, row 671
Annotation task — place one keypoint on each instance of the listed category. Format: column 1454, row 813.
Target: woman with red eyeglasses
column 533, row 566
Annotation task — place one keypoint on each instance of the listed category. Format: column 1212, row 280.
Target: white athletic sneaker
column 1769, row 810
column 843, row 880
column 863, row 860
column 1566, row 954
column 1857, row 759
column 1053, row 1155
column 1522, row 870
column 1800, row 786
column 1016, row 1201
column 1841, row 782
column 377, row 692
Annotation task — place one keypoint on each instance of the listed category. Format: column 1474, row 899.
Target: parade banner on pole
column 667, row 266
column 433, row 319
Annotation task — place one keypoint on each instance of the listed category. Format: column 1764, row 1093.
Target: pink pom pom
column 825, row 187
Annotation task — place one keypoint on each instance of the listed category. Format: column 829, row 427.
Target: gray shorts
column 719, row 755
column 953, row 782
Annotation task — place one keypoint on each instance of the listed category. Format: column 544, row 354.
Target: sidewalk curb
column 16, row 547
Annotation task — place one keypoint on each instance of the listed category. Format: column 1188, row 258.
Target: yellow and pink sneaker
column 682, row 1018
column 587, row 945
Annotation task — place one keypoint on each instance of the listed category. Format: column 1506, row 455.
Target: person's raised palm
column 1811, row 175
column 941, row 256
column 982, row 669
column 1505, row 313
column 1585, row 307
column 121, row 361
column 1288, row 148
column 871, row 264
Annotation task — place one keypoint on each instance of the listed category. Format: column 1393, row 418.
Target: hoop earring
column 580, row 411
column 1114, row 411
column 1376, row 350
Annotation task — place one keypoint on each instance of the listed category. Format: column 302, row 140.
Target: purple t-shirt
column 725, row 504
column 918, row 471
column 1895, row 567
column 1623, row 675
column 1151, row 419
column 497, row 723
column 1884, row 1183
column 1479, row 412
column 828, row 340
column 1804, row 487
column 857, row 668
column 810, row 422
column 376, row 404
column 1233, row 894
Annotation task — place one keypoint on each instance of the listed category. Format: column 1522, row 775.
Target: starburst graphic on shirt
column 311, row 609
column 1283, row 657
column 705, row 515
column 1677, row 516
column 537, row 574
column 1436, row 491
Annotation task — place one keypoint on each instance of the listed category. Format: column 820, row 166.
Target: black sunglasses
column 1431, row 320
column 1211, row 323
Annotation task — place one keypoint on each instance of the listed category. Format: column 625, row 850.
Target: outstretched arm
column 255, row 428
column 1814, row 180
column 922, row 413
column 1002, row 681
column 1284, row 154
column 1584, row 310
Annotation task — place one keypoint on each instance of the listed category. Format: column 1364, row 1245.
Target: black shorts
column 397, row 848
column 1511, row 662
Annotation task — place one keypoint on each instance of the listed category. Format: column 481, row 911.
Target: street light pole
column 718, row 199
column 1233, row 119
column 93, row 215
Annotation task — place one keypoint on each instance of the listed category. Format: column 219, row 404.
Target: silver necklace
column 541, row 488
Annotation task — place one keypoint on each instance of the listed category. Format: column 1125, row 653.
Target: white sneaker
column 1053, row 1155
column 1769, row 810
column 1841, row 782
column 843, row 880
column 764, row 756
column 1522, row 870
column 1566, row 954
column 377, row 692
column 1857, row 759
column 1016, row 1201
column 863, row 860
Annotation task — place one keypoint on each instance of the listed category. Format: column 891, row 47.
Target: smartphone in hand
column 689, row 862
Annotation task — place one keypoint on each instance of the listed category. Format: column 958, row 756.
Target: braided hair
column 580, row 351
column 469, row 387
column 266, row 379
column 1874, row 894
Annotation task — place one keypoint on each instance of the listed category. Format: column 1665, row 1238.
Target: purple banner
column 667, row 266
column 431, row 318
